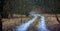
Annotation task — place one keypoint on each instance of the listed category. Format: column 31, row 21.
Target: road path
column 25, row 26
column 41, row 25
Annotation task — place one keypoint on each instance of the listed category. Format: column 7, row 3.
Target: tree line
column 23, row 7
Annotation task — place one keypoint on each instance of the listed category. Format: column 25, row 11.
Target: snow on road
column 25, row 26
column 41, row 25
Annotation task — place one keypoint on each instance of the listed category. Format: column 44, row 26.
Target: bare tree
column 1, row 10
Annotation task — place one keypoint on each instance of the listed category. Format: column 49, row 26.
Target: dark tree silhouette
column 1, row 10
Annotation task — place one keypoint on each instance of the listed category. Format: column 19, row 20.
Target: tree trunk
column 21, row 18
column 11, row 15
column 57, row 18
column 1, row 10
column 0, row 24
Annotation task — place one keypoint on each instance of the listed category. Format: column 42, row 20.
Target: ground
column 51, row 22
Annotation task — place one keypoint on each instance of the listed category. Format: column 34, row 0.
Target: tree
column 1, row 10
column 56, row 12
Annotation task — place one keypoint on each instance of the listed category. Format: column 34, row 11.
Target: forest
column 25, row 6
column 9, row 8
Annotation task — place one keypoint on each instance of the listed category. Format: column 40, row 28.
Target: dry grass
column 51, row 19
column 52, row 22
column 9, row 24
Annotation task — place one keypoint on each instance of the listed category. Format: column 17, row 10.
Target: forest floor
column 51, row 22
